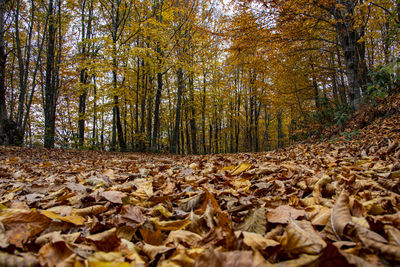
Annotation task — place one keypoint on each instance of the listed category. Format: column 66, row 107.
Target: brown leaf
column 225, row 259
column 257, row 241
column 105, row 241
column 52, row 254
column 256, row 222
column 93, row 210
column 393, row 235
column 113, row 196
column 182, row 237
column 131, row 216
column 341, row 221
column 152, row 251
column 300, row 237
column 151, row 236
column 303, row 260
column 21, row 225
column 283, row 213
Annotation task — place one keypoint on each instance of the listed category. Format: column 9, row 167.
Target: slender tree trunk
column 86, row 29
column 94, row 130
column 193, row 128
column 175, row 135
column 279, row 129
column 157, row 101
column 23, row 64
column 149, row 118
column 203, row 115
column 50, row 89
column 156, row 125
column 3, row 59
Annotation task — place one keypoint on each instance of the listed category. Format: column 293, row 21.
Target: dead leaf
column 241, row 168
column 256, row 241
column 256, row 222
column 105, row 241
column 300, row 237
column 341, row 220
column 283, row 213
column 76, row 220
column 113, row 196
column 21, row 225
column 53, row 254
column 182, row 237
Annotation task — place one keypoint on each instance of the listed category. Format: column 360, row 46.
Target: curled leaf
column 256, row 222
column 341, row 220
column 300, row 237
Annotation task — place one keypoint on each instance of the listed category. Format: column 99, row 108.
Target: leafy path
column 335, row 202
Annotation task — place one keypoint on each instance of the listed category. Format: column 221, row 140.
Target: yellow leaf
column 241, row 168
column 170, row 225
column 161, row 209
column 77, row 220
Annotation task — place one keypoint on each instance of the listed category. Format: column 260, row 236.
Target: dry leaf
column 283, row 213
column 300, row 237
column 256, row 222
column 341, row 220
column 52, row 254
column 241, row 168
column 76, row 220
column 20, row 225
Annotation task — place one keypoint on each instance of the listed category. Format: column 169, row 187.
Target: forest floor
column 331, row 203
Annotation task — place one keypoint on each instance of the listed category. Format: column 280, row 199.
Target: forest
column 199, row 133
column 190, row 77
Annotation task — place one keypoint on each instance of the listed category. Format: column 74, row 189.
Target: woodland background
column 189, row 76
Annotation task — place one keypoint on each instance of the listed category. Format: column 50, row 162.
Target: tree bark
column 193, row 128
column 175, row 135
column 3, row 59
column 50, row 86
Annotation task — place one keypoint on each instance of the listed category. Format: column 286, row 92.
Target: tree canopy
column 190, row 76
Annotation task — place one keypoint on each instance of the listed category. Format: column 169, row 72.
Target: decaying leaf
column 241, row 168
column 256, row 241
column 300, row 237
column 53, row 254
column 76, row 220
column 20, row 225
column 282, row 214
column 256, row 222
column 93, row 210
column 341, row 220
column 105, row 241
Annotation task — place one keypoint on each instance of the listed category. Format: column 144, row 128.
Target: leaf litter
column 310, row 204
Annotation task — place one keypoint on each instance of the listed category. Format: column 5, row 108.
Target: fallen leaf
column 76, row 220
column 300, row 237
column 283, row 213
column 241, row 168
column 256, row 222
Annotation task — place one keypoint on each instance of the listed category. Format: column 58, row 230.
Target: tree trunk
column 193, row 128
column 84, row 78
column 348, row 39
column 3, row 59
column 175, row 135
column 50, row 86
column 157, row 101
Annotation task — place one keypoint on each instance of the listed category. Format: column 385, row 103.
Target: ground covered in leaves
column 334, row 203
